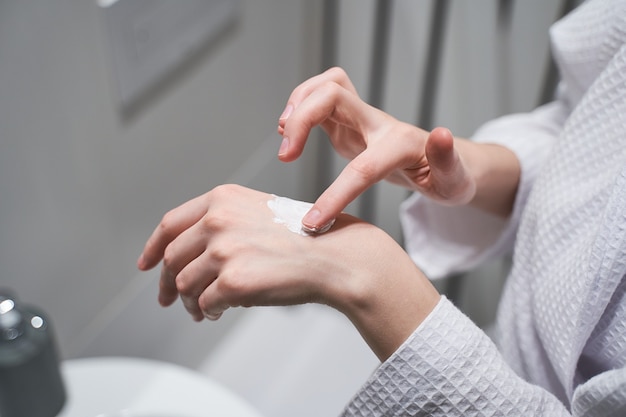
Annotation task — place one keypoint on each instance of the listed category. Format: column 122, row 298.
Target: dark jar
column 30, row 379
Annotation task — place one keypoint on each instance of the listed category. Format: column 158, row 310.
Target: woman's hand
column 224, row 249
column 377, row 145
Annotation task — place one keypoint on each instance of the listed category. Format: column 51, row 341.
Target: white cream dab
column 290, row 213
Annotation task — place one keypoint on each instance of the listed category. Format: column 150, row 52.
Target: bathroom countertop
column 133, row 387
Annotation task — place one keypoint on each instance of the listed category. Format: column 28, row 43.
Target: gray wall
column 485, row 73
column 82, row 184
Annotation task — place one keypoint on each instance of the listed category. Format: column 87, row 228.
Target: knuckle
column 210, row 221
column 218, row 219
column 224, row 191
column 338, row 73
column 218, row 253
column 167, row 223
column 233, row 288
column 332, row 90
column 169, row 256
column 184, row 286
column 220, row 213
column 203, row 303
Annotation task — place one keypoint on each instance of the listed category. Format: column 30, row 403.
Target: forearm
column 496, row 171
column 385, row 296
column 525, row 140
column 387, row 322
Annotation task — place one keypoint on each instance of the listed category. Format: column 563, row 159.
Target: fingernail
column 317, row 229
column 312, row 222
column 312, row 218
column 284, row 146
column 213, row 317
column 286, row 113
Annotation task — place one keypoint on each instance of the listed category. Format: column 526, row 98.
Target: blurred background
column 113, row 112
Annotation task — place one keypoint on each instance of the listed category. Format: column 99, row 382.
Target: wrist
column 496, row 172
column 386, row 300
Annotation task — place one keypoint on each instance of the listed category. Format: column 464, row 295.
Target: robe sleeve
column 449, row 367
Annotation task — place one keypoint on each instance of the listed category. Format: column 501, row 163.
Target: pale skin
column 223, row 250
column 217, row 254
column 450, row 170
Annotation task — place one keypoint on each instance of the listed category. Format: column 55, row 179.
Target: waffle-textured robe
column 561, row 325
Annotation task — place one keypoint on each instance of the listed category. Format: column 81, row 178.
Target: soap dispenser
column 30, row 380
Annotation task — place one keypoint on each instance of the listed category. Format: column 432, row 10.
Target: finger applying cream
column 290, row 213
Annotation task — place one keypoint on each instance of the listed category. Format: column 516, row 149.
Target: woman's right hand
column 377, row 145
column 225, row 249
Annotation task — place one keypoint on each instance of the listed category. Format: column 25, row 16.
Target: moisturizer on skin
column 290, row 213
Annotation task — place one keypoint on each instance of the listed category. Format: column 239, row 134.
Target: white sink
column 131, row 387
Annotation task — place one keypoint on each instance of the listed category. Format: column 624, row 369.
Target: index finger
column 353, row 180
column 372, row 165
column 172, row 224
column 301, row 92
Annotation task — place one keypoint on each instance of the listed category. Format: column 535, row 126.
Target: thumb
column 440, row 152
column 449, row 175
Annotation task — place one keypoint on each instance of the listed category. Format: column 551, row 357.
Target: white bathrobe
column 562, row 318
